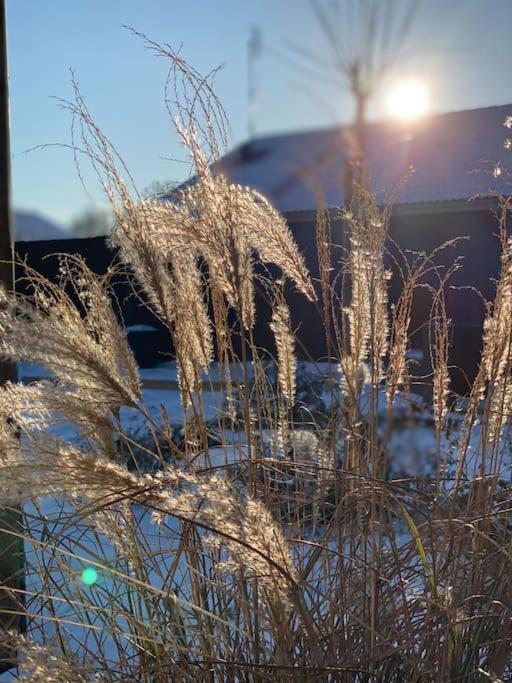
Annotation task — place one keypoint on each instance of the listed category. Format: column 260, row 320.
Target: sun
column 408, row 100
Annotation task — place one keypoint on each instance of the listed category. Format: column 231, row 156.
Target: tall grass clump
column 277, row 540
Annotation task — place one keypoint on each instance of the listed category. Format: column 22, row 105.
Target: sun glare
column 408, row 100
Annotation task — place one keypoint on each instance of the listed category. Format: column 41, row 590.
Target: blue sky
column 461, row 48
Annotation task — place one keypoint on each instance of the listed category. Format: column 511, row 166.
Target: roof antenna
column 254, row 51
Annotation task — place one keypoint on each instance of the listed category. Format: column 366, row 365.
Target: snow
column 414, row 450
column 452, row 155
column 66, row 557
column 155, row 399
column 141, row 328
column 412, row 444
column 163, row 372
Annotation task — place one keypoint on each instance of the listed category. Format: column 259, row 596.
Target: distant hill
column 29, row 226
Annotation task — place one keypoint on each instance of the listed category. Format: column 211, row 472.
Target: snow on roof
column 439, row 158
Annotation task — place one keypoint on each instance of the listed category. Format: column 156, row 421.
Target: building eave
column 490, row 203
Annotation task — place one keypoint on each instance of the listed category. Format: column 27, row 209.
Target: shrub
column 273, row 543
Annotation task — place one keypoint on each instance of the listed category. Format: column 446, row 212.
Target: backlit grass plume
column 225, row 225
column 285, row 343
column 296, row 518
column 79, row 341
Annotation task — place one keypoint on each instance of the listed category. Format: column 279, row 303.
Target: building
column 442, row 158
column 439, row 172
column 443, row 174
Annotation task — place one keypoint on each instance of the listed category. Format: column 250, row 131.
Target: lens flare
column 89, row 576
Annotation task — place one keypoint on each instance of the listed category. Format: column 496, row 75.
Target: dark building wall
column 43, row 256
column 472, row 232
column 469, row 233
column 149, row 345
column 412, row 230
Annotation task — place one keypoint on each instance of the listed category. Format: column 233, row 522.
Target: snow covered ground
column 413, row 446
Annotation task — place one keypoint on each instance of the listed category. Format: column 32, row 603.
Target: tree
column 158, row 188
column 365, row 39
column 93, row 222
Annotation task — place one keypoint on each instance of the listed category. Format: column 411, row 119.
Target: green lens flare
column 89, row 576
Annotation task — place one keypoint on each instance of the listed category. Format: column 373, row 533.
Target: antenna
column 254, row 50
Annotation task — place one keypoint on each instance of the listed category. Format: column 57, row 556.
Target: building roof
column 443, row 157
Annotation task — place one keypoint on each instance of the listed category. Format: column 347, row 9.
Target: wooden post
column 12, row 564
